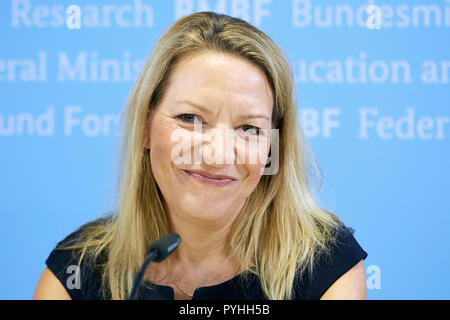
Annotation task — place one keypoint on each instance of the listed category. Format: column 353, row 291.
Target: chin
column 205, row 210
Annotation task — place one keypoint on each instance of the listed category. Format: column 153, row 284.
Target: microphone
column 157, row 251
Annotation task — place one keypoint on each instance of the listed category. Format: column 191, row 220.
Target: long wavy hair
column 281, row 230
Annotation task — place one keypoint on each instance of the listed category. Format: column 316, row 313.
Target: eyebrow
column 210, row 112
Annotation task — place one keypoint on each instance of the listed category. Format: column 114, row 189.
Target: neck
column 204, row 243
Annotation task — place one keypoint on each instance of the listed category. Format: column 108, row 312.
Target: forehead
column 221, row 77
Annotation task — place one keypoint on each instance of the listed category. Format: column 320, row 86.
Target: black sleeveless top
column 83, row 282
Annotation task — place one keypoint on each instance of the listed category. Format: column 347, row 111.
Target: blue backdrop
column 373, row 89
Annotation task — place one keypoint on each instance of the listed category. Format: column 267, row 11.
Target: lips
column 209, row 175
column 209, row 179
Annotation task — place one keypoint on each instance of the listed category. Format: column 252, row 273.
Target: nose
column 218, row 147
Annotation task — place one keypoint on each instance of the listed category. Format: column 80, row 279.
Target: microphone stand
column 158, row 251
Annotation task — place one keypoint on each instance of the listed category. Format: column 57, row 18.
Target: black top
column 84, row 282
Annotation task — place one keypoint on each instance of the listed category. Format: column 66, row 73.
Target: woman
column 244, row 234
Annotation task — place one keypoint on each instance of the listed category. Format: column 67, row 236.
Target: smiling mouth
column 209, row 180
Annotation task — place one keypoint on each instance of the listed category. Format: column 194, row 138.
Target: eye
column 252, row 130
column 187, row 117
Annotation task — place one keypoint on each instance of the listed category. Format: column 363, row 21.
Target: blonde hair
column 281, row 230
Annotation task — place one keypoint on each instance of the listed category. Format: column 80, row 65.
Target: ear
column 148, row 121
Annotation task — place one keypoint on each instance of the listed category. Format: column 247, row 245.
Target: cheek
column 253, row 153
column 254, row 173
column 256, row 156
column 161, row 146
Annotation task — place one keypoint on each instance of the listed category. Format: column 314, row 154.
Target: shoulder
column 343, row 262
column 50, row 288
column 79, row 280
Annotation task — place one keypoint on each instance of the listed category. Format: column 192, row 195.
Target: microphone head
column 164, row 246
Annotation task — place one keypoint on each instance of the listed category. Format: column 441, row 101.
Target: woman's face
column 209, row 120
